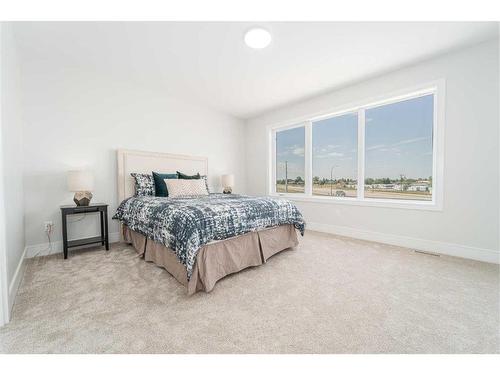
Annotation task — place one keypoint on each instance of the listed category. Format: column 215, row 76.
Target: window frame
column 437, row 88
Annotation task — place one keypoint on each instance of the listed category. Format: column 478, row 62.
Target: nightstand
column 103, row 239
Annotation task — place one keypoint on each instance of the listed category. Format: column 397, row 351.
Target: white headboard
column 130, row 161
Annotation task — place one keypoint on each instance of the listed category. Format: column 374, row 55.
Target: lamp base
column 227, row 190
column 82, row 198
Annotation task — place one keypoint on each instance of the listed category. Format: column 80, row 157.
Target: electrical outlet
column 48, row 225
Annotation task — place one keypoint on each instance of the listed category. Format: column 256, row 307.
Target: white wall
column 11, row 179
column 468, row 225
column 76, row 118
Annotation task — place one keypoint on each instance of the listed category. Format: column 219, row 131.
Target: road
column 324, row 190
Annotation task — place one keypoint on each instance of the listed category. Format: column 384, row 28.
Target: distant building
column 418, row 187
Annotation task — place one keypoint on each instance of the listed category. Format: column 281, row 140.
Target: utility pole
column 286, row 176
column 331, row 179
column 402, row 177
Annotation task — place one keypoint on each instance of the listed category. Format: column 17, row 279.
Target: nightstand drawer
column 85, row 210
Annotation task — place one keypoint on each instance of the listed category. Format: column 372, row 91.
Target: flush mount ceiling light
column 257, row 38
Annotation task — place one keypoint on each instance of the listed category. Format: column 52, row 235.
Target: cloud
column 411, row 140
column 387, row 149
column 329, row 155
column 393, row 148
column 325, row 150
column 376, row 147
column 335, row 154
column 299, row 151
column 333, row 147
column 294, row 150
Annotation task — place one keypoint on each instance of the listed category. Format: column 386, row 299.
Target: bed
column 200, row 240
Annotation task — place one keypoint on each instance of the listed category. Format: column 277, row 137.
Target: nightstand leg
column 101, row 213
column 65, row 236
column 106, row 228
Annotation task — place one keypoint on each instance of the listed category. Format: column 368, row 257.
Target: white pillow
column 182, row 188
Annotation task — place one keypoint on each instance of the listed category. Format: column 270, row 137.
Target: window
column 290, row 162
column 398, row 152
column 382, row 153
column 335, row 156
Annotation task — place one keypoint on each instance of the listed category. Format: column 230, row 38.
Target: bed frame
column 130, row 161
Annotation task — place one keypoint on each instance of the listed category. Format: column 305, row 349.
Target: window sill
column 370, row 202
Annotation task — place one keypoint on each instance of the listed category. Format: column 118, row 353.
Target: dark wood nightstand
column 77, row 210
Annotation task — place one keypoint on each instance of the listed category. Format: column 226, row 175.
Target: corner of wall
column 12, row 246
column 16, row 280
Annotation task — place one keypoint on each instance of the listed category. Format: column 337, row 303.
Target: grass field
column 280, row 188
column 324, row 190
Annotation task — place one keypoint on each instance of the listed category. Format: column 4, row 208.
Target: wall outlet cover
column 48, row 225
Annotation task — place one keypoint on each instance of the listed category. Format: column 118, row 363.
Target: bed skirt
column 217, row 259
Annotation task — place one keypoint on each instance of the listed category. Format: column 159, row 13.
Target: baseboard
column 445, row 248
column 16, row 280
column 44, row 249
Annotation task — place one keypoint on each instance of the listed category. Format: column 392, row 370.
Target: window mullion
column 308, row 159
column 361, row 154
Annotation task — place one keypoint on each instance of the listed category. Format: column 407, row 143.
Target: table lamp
column 227, row 183
column 81, row 182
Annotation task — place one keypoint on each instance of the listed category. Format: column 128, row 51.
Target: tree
column 299, row 180
column 316, row 180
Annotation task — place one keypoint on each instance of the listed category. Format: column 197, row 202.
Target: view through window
column 398, row 151
column 290, row 164
column 397, row 142
column 335, row 156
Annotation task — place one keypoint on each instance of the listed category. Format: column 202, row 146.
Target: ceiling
column 208, row 63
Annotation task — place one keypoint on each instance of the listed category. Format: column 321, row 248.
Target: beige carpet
column 329, row 295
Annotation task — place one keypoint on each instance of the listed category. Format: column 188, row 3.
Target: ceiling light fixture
column 257, row 38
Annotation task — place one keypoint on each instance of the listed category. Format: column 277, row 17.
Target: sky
column 398, row 140
column 335, row 145
column 290, row 147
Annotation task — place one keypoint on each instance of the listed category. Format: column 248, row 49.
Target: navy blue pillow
column 160, row 185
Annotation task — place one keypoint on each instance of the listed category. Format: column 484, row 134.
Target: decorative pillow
column 183, row 188
column 196, row 176
column 160, row 187
column 183, row 176
column 144, row 184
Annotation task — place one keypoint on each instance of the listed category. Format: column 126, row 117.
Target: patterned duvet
column 186, row 224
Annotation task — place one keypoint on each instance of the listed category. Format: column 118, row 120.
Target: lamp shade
column 80, row 181
column 227, row 180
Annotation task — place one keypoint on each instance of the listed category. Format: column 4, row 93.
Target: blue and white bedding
column 187, row 224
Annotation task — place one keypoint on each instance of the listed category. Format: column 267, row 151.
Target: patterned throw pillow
column 144, row 184
column 184, row 188
column 183, row 176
